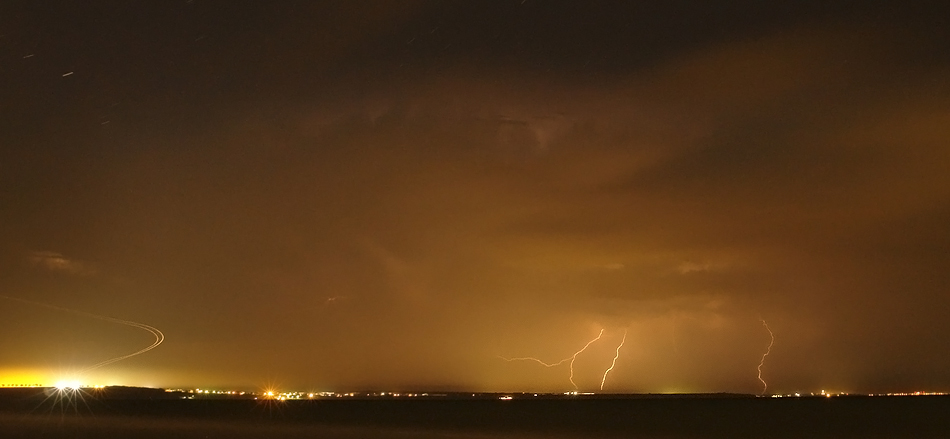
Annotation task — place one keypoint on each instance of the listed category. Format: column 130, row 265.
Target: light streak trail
column 765, row 385
column 558, row 363
column 614, row 362
column 159, row 337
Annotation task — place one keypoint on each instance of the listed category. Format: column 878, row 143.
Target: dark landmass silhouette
column 141, row 412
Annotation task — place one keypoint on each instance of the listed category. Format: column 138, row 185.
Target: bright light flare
column 67, row 385
column 67, row 395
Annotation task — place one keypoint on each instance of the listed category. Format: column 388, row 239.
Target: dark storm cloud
column 468, row 202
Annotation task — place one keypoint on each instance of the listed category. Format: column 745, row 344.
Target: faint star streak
column 614, row 362
column 765, row 385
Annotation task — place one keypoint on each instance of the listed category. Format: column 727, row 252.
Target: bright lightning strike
column 765, row 385
column 574, row 357
column 614, row 362
column 159, row 337
column 558, row 363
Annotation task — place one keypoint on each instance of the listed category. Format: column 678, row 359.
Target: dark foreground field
column 726, row 417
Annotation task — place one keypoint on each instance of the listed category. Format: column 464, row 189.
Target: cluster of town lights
column 295, row 395
column 74, row 385
column 833, row 394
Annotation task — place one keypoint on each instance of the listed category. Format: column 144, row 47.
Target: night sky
column 382, row 195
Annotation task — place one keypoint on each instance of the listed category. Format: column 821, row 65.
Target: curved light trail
column 159, row 336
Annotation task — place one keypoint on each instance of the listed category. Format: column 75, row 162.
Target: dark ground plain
column 28, row 414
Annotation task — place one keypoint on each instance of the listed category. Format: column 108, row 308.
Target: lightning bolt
column 614, row 362
column 558, row 363
column 766, row 354
column 574, row 357
column 159, row 336
column 535, row 360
